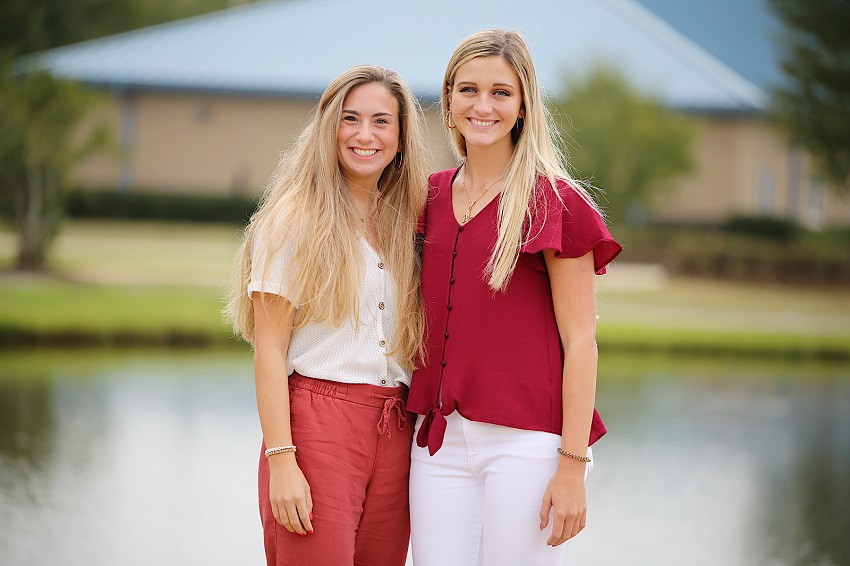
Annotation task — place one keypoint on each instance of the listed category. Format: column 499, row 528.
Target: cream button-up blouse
column 348, row 353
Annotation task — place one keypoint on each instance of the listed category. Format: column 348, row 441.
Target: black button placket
column 448, row 315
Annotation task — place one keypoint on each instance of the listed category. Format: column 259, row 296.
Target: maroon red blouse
column 497, row 357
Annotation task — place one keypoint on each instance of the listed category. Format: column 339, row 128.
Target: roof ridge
column 288, row 47
column 655, row 28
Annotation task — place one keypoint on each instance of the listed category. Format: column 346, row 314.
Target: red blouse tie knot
column 391, row 403
column 432, row 431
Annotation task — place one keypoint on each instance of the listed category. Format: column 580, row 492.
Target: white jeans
column 476, row 502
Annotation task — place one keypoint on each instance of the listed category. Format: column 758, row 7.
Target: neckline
column 451, row 202
column 365, row 241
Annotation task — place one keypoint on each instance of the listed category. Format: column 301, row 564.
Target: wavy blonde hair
column 536, row 153
column 308, row 206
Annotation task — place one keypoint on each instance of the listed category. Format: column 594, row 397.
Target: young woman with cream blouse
column 327, row 291
column 511, row 246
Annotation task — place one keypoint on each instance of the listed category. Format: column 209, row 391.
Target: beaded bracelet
column 279, row 450
column 563, row 452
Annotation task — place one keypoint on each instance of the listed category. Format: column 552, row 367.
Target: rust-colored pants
column 354, row 449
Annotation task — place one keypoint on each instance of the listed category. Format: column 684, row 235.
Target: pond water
column 148, row 458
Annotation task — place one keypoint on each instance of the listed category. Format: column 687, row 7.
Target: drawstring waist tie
column 388, row 399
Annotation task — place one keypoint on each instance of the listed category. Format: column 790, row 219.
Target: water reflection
column 720, row 463
column 152, row 463
column 150, row 458
column 807, row 501
column 27, row 423
column 27, row 440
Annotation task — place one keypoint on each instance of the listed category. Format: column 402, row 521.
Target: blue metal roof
column 296, row 47
column 741, row 33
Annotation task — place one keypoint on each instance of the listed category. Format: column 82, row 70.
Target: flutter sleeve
column 571, row 227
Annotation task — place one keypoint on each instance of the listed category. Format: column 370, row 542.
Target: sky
column 738, row 32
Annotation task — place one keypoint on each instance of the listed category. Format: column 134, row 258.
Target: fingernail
column 311, row 515
column 303, row 534
column 310, row 532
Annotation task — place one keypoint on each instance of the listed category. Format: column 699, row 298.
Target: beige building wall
column 707, row 194
column 196, row 144
column 744, row 166
column 216, row 145
column 221, row 145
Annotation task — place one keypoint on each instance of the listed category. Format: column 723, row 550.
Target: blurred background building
column 204, row 105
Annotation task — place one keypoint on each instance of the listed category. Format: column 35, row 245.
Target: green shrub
column 151, row 206
column 808, row 258
column 773, row 229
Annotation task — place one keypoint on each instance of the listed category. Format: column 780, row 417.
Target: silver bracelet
column 563, row 452
column 279, row 450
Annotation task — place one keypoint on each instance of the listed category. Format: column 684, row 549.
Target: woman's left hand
column 566, row 499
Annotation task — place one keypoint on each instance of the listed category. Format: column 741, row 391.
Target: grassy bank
column 163, row 284
column 44, row 312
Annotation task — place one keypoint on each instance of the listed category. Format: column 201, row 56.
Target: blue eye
column 502, row 93
column 467, row 89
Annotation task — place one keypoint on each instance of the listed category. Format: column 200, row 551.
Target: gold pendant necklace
column 468, row 216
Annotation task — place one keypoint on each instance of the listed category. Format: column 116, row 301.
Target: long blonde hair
column 308, row 207
column 536, row 151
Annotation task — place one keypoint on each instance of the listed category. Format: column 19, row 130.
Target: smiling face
column 368, row 137
column 485, row 102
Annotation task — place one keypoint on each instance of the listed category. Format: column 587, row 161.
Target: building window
column 765, row 194
column 814, row 205
column 205, row 112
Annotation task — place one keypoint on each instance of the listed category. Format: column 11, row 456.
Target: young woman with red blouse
column 511, row 246
column 327, row 291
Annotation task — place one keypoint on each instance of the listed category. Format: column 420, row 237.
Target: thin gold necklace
column 468, row 216
column 365, row 216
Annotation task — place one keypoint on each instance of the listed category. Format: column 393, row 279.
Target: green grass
column 718, row 342
column 122, row 283
column 140, row 253
column 43, row 365
column 39, row 311
column 163, row 284
column 722, row 317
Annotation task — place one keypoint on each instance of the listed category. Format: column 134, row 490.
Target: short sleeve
column 571, row 227
column 276, row 277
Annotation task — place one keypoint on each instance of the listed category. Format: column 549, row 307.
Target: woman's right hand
column 289, row 493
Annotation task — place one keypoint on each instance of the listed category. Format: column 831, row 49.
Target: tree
column 625, row 141
column 27, row 26
column 814, row 101
column 40, row 119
